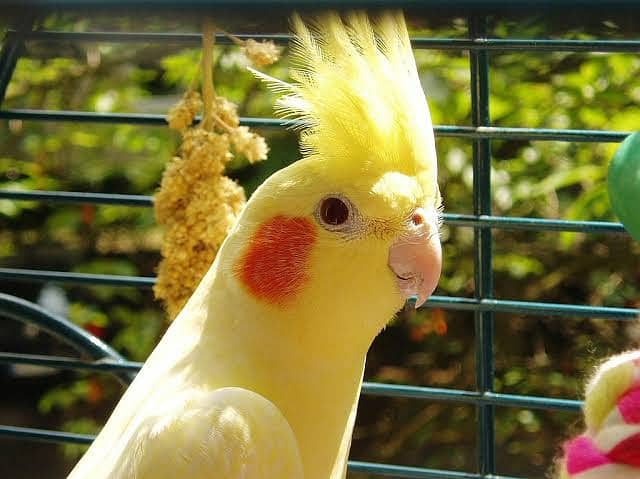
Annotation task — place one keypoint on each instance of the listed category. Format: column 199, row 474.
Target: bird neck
column 313, row 377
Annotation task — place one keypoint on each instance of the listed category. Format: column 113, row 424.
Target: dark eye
column 333, row 211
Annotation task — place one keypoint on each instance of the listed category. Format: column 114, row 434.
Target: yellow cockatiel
column 259, row 375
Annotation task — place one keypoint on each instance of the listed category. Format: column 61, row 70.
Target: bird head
column 348, row 233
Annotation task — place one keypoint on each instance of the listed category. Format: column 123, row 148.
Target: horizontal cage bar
column 533, row 224
column 416, row 472
column 46, row 435
column 446, row 302
column 454, row 219
column 474, row 44
column 480, row 132
column 61, row 362
column 470, row 397
column 474, row 6
column 87, row 279
column 78, row 197
column 194, row 39
column 532, row 308
column 369, row 388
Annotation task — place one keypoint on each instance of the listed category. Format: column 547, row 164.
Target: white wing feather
column 230, row 433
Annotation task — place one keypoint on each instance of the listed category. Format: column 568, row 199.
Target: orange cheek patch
column 274, row 266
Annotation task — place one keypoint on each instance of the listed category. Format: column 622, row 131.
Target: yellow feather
column 359, row 97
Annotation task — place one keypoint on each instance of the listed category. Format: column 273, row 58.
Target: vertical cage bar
column 479, row 65
column 8, row 59
column 12, row 47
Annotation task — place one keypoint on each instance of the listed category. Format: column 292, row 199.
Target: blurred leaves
column 139, row 333
column 64, row 397
column 79, row 426
column 86, row 315
column 181, row 68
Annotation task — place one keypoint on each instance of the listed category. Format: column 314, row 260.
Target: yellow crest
column 358, row 96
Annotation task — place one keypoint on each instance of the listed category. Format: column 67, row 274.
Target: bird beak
column 416, row 257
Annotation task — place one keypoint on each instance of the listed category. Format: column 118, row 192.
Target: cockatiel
column 259, row 375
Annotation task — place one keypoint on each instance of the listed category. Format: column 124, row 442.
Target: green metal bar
column 416, row 472
column 533, row 224
column 471, row 397
column 457, row 44
column 446, row 302
column 86, row 116
column 471, row 132
column 194, row 39
column 368, row 388
column 11, row 47
column 44, row 435
column 69, row 333
column 479, row 65
column 22, row 310
column 20, row 274
column 485, row 5
column 119, row 118
column 59, row 362
column 78, row 197
column 453, row 219
column 532, row 308
column 529, row 134
column 534, row 45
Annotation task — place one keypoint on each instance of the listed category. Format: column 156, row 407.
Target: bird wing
column 230, row 433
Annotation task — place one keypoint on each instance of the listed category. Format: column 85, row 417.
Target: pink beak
column 416, row 258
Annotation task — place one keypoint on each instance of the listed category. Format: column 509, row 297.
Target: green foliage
column 181, row 68
column 138, row 333
column 79, row 426
column 537, row 356
column 63, row 397
column 83, row 314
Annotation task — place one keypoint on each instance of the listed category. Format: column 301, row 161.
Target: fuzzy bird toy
column 259, row 375
column 610, row 447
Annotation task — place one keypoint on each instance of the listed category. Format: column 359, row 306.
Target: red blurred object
column 439, row 321
column 435, row 324
column 95, row 392
column 88, row 214
column 96, row 330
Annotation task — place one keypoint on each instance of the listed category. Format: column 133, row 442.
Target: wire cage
column 481, row 45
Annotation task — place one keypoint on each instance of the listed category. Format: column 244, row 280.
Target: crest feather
column 358, row 97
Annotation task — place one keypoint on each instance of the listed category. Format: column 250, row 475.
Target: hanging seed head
column 227, row 111
column 183, row 113
column 194, row 234
column 251, row 145
column 206, row 152
column 261, row 53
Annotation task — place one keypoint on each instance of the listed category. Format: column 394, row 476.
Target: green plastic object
column 624, row 184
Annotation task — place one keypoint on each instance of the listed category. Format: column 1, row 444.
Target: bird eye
column 333, row 211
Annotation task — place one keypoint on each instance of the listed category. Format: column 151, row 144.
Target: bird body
column 259, row 375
